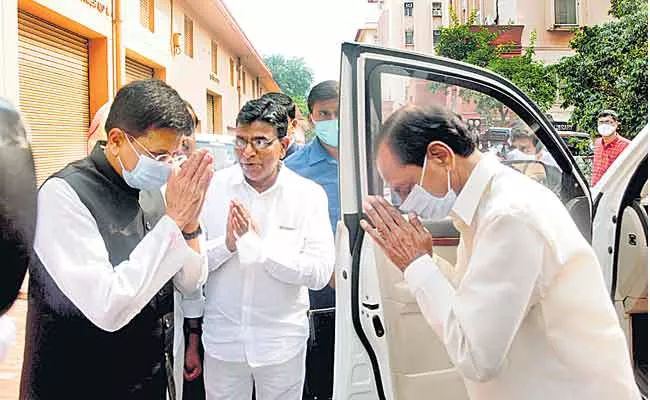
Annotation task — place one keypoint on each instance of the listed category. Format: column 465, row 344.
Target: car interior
column 630, row 286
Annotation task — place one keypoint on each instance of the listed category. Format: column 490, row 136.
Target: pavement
column 11, row 366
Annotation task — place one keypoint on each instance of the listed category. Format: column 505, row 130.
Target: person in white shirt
column 524, row 313
column 101, row 281
column 268, row 241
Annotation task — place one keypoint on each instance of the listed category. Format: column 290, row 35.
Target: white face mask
column 606, row 130
column 426, row 205
column 518, row 155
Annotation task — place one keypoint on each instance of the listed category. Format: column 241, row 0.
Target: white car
column 222, row 148
column 384, row 347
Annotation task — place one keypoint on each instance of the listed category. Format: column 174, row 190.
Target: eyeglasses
column 257, row 143
column 167, row 158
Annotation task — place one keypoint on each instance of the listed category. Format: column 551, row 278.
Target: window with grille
column 215, row 59
column 408, row 38
column 436, row 9
column 188, row 33
column 147, row 14
column 408, row 9
column 566, row 12
column 436, row 37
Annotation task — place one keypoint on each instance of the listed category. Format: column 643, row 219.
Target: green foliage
column 461, row 43
column 301, row 102
column 292, row 74
column 610, row 69
column 464, row 42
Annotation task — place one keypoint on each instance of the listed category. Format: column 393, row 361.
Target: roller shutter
column 137, row 71
column 53, row 90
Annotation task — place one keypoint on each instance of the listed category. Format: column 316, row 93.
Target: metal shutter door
column 136, row 71
column 53, row 90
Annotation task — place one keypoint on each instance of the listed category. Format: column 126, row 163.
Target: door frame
column 358, row 64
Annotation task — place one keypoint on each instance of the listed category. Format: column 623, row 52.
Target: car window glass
column 499, row 132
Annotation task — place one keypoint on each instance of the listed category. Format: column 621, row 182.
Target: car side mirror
column 533, row 169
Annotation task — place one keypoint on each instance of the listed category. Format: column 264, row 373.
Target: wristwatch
column 192, row 235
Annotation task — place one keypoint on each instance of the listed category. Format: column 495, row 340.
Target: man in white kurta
column 524, row 313
column 255, row 324
column 256, row 300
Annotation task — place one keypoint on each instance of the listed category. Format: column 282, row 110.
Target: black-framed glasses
column 257, row 143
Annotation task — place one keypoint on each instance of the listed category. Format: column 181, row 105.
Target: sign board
column 564, row 126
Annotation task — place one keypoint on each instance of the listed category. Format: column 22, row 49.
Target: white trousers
column 234, row 381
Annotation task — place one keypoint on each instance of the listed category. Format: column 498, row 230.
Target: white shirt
column 524, row 314
column 73, row 252
column 256, row 300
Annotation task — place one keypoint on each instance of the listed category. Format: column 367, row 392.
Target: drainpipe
column 118, row 49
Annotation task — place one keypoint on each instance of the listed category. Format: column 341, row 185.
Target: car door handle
column 370, row 306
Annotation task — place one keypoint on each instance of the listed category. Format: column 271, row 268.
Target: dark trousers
column 319, row 381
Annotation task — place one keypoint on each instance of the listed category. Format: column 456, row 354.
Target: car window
column 581, row 147
column 498, row 131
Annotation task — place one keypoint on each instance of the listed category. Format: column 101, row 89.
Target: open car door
column 621, row 243
column 384, row 346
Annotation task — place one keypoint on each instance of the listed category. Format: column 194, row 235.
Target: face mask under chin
column 426, row 205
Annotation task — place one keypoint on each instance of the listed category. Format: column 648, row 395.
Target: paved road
column 10, row 367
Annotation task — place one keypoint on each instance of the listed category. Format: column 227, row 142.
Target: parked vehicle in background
column 581, row 146
column 222, row 148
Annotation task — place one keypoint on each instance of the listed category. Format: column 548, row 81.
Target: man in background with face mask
column 318, row 161
column 104, row 266
column 609, row 146
column 524, row 313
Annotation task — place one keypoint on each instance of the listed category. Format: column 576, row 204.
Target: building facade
column 416, row 24
column 64, row 59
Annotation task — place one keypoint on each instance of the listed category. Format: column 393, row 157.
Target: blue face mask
column 148, row 173
column 328, row 132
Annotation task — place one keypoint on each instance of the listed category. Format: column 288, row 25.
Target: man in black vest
column 101, row 282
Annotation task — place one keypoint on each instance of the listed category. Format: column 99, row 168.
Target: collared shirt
column 524, row 313
column 293, row 148
column 256, row 299
column 315, row 163
column 108, row 295
column 605, row 154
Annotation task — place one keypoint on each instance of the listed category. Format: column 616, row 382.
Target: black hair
column 283, row 100
column 264, row 110
column 410, row 130
column 195, row 118
column 608, row 113
column 149, row 104
column 324, row 91
column 17, row 203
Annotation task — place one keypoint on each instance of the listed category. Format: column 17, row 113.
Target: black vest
column 66, row 355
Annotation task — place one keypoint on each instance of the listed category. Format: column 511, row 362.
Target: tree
column 293, row 75
column 464, row 42
column 609, row 69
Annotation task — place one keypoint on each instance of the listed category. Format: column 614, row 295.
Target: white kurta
column 524, row 314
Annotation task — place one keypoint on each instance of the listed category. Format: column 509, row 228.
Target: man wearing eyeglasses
column 268, row 242
column 101, row 281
